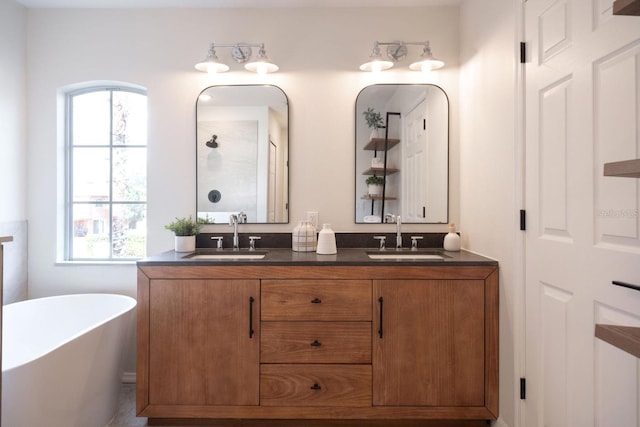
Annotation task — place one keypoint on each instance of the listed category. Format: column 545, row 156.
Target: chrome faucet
column 390, row 219
column 234, row 219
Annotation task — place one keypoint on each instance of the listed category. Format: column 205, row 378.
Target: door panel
column 582, row 110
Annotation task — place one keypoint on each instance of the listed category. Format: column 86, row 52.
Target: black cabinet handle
column 316, row 301
column 381, row 302
column 315, row 387
column 626, row 285
column 251, row 300
column 316, row 343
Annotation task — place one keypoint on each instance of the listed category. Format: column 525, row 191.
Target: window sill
column 93, row 263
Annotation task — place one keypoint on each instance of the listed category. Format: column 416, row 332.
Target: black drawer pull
column 316, row 301
column 381, row 302
column 315, row 387
column 316, row 343
column 626, row 285
column 251, row 301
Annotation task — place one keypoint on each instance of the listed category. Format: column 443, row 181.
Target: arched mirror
column 242, row 150
column 402, row 153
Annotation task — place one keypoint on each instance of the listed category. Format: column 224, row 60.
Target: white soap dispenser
column 452, row 240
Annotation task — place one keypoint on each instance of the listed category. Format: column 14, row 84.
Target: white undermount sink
column 410, row 255
column 225, row 255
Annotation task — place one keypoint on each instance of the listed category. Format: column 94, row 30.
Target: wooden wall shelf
column 370, row 197
column 626, row 7
column 377, row 144
column 626, row 338
column 626, row 168
column 373, row 171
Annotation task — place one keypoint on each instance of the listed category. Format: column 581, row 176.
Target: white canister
column 326, row 241
column 303, row 237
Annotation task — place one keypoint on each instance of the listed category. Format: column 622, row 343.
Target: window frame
column 69, row 203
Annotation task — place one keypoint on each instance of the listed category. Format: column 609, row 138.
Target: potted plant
column 374, row 121
column 185, row 230
column 374, row 185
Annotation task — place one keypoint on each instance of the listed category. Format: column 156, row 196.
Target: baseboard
column 129, row 377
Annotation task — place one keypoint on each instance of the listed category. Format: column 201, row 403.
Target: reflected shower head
column 212, row 143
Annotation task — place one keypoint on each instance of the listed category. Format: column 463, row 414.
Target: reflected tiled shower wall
column 15, row 261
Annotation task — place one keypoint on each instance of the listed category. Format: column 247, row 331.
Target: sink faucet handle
column 219, row 239
column 242, row 217
column 414, row 242
column 389, row 218
column 252, row 242
column 383, row 240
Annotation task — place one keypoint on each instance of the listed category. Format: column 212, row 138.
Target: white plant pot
column 185, row 243
column 374, row 189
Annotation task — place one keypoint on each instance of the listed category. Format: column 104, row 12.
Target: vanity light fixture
column 241, row 53
column 397, row 51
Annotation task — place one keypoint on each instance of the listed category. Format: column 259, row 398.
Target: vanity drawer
column 315, row 385
column 332, row 300
column 315, row 342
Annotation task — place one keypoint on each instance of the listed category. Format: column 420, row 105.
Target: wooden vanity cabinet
column 377, row 345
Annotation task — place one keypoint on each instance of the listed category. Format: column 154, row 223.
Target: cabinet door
column 201, row 348
column 428, row 344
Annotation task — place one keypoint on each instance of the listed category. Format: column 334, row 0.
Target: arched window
column 106, row 170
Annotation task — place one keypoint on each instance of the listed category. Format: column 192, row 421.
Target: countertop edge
column 344, row 257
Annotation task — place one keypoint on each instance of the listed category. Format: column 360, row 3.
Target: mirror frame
column 358, row 174
column 287, row 179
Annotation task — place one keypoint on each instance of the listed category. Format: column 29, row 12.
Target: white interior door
column 414, row 161
column 582, row 110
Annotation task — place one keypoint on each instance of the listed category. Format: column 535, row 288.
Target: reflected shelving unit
column 381, row 145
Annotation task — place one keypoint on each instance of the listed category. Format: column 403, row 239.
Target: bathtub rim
column 132, row 303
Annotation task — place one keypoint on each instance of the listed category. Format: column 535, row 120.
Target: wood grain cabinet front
column 315, row 385
column 429, row 348
column 194, row 327
column 315, row 342
column 313, row 345
column 322, row 300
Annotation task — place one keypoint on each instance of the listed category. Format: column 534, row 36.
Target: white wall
column 318, row 51
column 488, row 163
column 13, row 166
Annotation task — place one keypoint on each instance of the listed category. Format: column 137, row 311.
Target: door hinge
column 523, row 52
column 523, row 388
column 523, row 220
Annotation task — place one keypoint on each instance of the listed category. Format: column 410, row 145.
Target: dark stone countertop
column 344, row 257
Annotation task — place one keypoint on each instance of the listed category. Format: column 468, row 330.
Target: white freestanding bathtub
column 62, row 359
